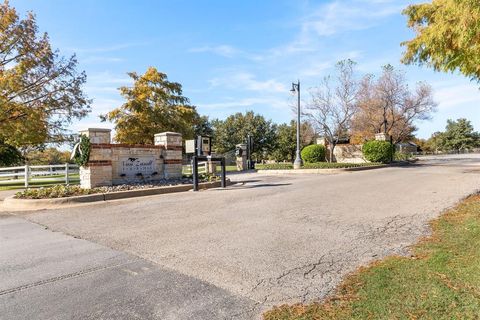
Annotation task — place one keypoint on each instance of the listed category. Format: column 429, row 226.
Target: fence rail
column 61, row 173
column 202, row 168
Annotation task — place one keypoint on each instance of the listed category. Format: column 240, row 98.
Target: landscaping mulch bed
column 62, row 191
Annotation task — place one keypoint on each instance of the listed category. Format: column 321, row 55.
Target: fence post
column 67, row 182
column 195, row 173
column 27, row 173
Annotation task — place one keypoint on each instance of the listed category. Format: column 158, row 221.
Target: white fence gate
column 46, row 173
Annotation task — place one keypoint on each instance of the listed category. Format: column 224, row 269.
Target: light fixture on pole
column 297, row 164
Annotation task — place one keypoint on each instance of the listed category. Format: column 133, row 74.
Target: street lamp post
column 297, row 164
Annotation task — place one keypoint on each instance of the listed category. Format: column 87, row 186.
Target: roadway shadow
column 243, row 185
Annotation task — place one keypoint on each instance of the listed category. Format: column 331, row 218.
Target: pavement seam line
column 64, row 277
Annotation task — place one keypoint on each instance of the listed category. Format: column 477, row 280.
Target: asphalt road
column 221, row 254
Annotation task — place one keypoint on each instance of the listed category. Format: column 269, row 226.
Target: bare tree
column 388, row 105
column 330, row 111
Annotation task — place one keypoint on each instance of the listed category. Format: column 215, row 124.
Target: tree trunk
column 331, row 146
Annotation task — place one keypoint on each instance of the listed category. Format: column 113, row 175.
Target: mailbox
column 206, row 145
column 200, row 146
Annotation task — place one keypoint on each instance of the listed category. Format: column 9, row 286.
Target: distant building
column 406, row 147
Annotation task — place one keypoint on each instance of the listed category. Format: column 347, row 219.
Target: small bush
column 378, row 151
column 316, row 165
column 274, row 166
column 313, row 153
column 57, row 191
column 399, row 156
column 336, row 165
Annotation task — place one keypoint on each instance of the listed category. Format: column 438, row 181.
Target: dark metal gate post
column 195, row 172
column 224, row 175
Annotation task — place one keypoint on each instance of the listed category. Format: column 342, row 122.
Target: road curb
column 39, row 204
column 335, row 170
column 320, row 171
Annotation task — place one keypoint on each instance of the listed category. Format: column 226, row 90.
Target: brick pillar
column 98, row 171
column 242, row 160
column 172, row 153
column 97, row 135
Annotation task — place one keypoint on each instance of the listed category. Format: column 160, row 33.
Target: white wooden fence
column 47, row 173
column 202, row 168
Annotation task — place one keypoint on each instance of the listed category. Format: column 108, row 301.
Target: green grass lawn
column 441, row 280
column 186, row 169
column 39, row 181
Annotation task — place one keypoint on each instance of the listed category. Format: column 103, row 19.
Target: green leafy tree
column 459, row 135
column 446, row 36
column 234, row 130
column 153, row 105
column 286, row 140
column 203, row 127
column 40, row 91
column 434, row 143
column 9, row 155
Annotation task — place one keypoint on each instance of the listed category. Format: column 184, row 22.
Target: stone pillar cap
column 96, row 129
column 168, row 133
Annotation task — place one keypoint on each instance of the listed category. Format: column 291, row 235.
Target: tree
column 203, row 127
column 40, row 91
column 47, row 156
column 286, row 141
column 459, row 135
column 388, row 105
column 446, row 36
column 234, row 130
column 153, row 105
column 9, row 155
column 331, row 112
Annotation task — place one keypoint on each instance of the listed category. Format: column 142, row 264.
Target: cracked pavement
column 270, row 240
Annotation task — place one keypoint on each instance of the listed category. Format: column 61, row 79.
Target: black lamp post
column 297, row 164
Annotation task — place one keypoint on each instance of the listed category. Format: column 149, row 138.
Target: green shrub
column 82, row 151
column 313, row 153
column 315, row 165
column 378, row 151
column 274, row 166
column 336, row 165
column 402, row 156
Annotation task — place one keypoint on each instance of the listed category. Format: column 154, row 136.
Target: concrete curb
column 320, row 171
column 38, row 204
column 335, row 170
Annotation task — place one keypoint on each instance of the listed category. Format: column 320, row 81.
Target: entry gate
column 198, row 158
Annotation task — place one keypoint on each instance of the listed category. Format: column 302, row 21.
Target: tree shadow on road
column 245, row 185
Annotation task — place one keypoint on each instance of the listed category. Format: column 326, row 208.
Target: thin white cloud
column 270, row 102
column 103, row 105
column 221, row 50
column 106, row 77
column 449, row 95
column 341, row 16
column 247, row 81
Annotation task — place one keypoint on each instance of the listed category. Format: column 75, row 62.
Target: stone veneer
column 112, row 164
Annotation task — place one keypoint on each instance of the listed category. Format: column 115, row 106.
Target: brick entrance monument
column 112, row 164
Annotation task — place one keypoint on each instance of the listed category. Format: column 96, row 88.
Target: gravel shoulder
column 278, row 239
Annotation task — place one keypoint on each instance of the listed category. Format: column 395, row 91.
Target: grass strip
column 441, row 280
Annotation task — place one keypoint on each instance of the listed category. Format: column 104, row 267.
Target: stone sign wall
column 113, row 164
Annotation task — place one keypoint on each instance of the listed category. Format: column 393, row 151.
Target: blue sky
column 235, row 56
